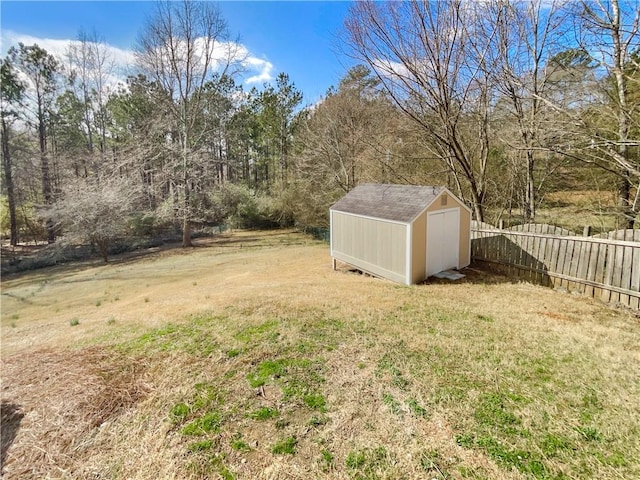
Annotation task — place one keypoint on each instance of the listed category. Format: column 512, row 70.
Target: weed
column 327, row 462
column 316, row 421
column 590, row 434
column 366, row 463
column 74, row 321
column 416, row 409
column 392, row 403
column 355, row 459
column 397, row 379
column 13, row 325
column 111, row 321
column 180, row 411
column 315, row 401
column 226, row 474
column 200, row 446
column 205, row 396
column 146, row 299
column 234, row 352
column 98, row 303
column 238, row 443
column 552, row 444
column 485, row 318
column 432, row 463
column 264, row 413
column 286, row 446
column 15, row 316
column 282, row 423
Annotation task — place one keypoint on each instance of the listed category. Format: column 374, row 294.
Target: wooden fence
column 605, row 266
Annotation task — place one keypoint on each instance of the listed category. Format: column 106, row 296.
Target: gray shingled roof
column 401, row 203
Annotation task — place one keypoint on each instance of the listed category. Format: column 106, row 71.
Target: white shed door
column 443, row 240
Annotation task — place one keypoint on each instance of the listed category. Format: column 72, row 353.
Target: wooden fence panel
column 605, row 266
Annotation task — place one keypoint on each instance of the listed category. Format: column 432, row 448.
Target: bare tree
column 183, row 47
column 610, row 28
column 96, row 210
column 90, row 65
column 607, row 37
column 434, row 66
column 528, row 34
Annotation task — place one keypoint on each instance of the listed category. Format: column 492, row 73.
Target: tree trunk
column 624, row 185
column 8, row 179
column 186, row 233
column 530, row 200
column 103, row 247
column 44, row 164
column 627, row 217
column 186, row 207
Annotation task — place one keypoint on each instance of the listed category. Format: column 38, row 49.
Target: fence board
column 605, row 266
column 634, row 302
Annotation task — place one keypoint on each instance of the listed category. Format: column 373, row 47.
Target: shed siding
column 464, row 254
column 373, row 245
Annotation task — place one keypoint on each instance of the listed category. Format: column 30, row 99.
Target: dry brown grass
column 496, row 367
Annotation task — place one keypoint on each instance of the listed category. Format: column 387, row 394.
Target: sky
column 300, row 38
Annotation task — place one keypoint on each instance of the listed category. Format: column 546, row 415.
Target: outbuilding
column 404, row 233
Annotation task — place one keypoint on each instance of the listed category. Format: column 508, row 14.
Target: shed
column 404, row 233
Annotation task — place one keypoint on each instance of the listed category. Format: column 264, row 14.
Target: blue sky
column 298, row 38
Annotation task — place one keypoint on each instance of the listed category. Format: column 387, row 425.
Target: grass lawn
column 248, row 357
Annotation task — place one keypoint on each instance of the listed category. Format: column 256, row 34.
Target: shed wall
column 375, row 246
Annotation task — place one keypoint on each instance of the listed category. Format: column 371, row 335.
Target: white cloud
column 121, row 58
column 389, row 68
column 257, row 70
column 263, row 67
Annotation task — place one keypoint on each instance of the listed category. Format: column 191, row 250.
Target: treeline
column 492, row 99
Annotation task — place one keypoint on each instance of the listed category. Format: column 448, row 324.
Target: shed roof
column 400, row 203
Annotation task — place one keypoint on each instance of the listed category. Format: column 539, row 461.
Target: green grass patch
column 367, row 463
column 194, row 337
column 266, row 331
column 286, row 446
column 416, row 409
column 315, row 401
column 264, row 413
column 298, row 378
column 238, row 443
column 210, row 422
column 180, row 411
column 392, row 403
column 327, row 461
column 201, row 446
column 234, row 352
